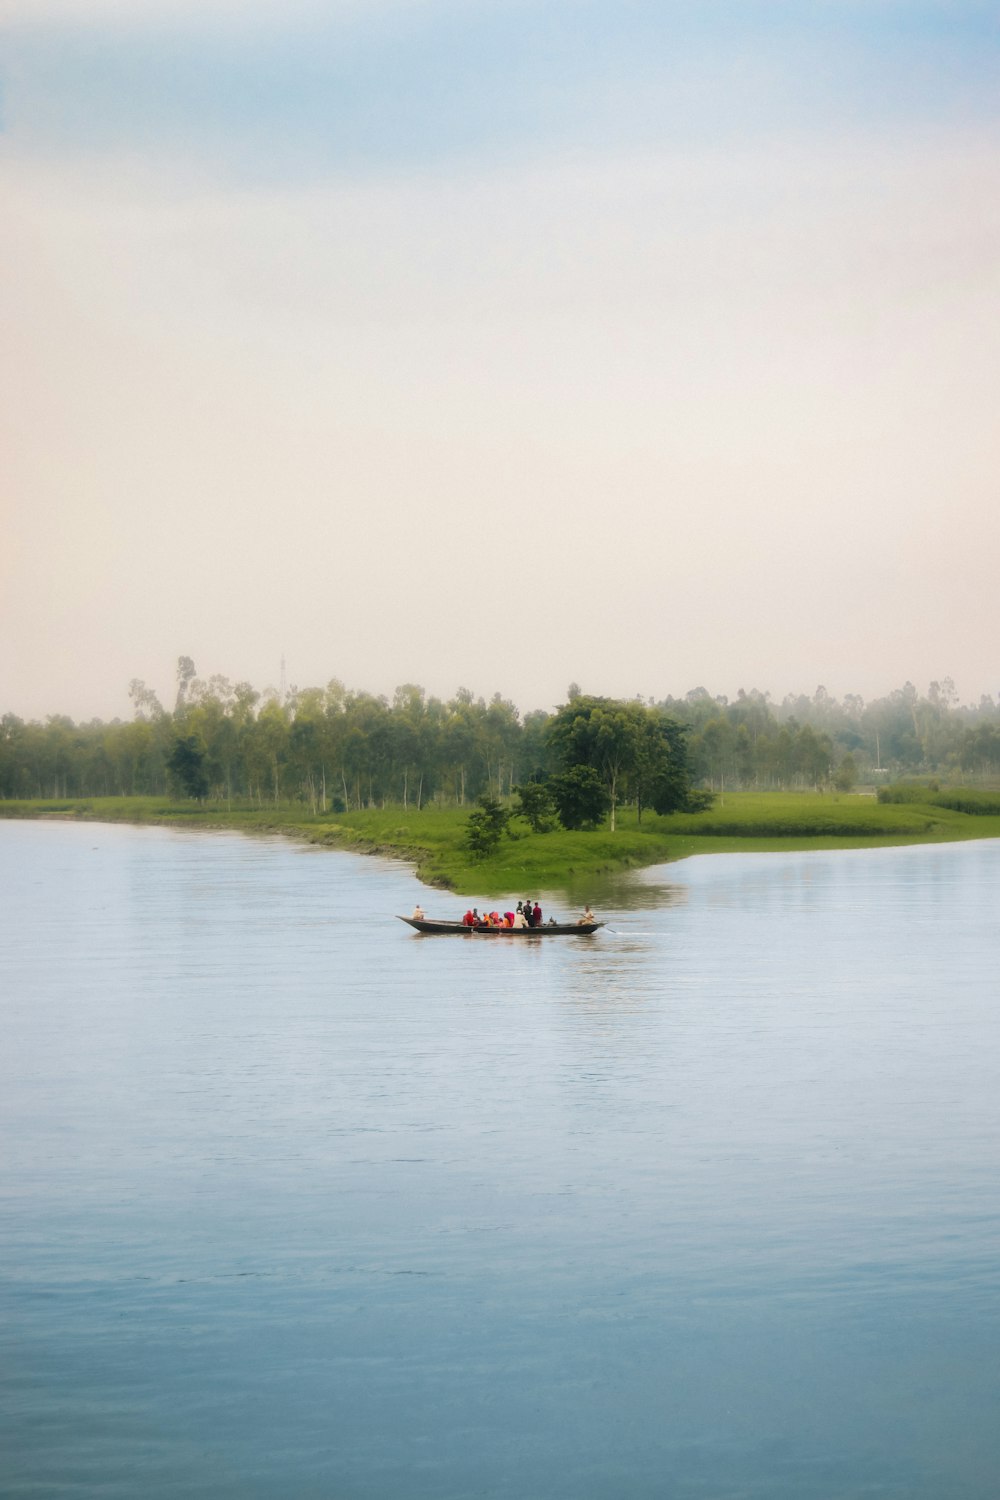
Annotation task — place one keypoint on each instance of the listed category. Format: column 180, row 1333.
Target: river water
column 296, row 1203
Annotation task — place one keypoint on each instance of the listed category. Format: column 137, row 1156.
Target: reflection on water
column 621, row 890
column 296, row 1202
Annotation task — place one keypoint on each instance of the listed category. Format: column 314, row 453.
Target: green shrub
column 958, row 799
column 486, row 827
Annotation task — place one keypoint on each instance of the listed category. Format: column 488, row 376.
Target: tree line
column 750, row 741
column 336, row 749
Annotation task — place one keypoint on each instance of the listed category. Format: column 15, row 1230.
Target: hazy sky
column 498, row 343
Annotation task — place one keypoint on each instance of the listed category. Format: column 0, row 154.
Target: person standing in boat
column 536, row 916
column 529, row 915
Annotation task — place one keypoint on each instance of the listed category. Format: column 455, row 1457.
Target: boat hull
column 429, row 927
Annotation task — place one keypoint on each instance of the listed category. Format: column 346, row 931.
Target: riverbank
column 431, row 839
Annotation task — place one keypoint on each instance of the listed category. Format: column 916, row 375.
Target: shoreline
column 430, row 840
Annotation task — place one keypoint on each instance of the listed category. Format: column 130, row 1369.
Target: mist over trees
column 336, row 749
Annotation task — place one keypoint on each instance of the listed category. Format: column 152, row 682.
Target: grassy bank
column 432, row 838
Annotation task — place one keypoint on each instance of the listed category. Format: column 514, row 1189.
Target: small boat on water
column 550, row 929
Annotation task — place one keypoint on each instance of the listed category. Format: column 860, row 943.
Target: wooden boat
column 553, row 929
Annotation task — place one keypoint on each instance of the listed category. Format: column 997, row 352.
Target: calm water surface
column 296, row 1203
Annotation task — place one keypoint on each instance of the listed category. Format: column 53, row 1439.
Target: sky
column 498, row 344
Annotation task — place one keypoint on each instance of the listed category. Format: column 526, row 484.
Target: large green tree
column 535, row 805
column 600, row 733
column 580, row 796
column 634, row 749
column 662, row 771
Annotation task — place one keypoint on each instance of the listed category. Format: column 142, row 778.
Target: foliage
column 846, row 776
column 980, row 749
column 906, row 791
column 535, row 805
column 669, row 786
column 434, row 837
column 698, row 800
column 329, row 746
column 959, row 799
column 751, row 741
column 580, row 796
column 186, row 764
column 486, row 827
column 638, row 752
column 598, row 734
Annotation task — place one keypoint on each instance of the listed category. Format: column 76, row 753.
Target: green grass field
column 526, row 862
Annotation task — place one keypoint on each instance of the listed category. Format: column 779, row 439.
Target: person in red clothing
column 469, row 919
column 536, row 916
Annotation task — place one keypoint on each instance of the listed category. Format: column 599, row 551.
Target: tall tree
column 600, row 733
column 185, row 676
column 186, row 763
column 580, row 796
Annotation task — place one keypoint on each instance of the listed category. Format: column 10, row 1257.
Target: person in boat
column 469, row 919
column 588, row 916
column 508, row 917
column 552, row 922
column 536, row 916
column 519, row 917
column 529, row 914
column 418, row 913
